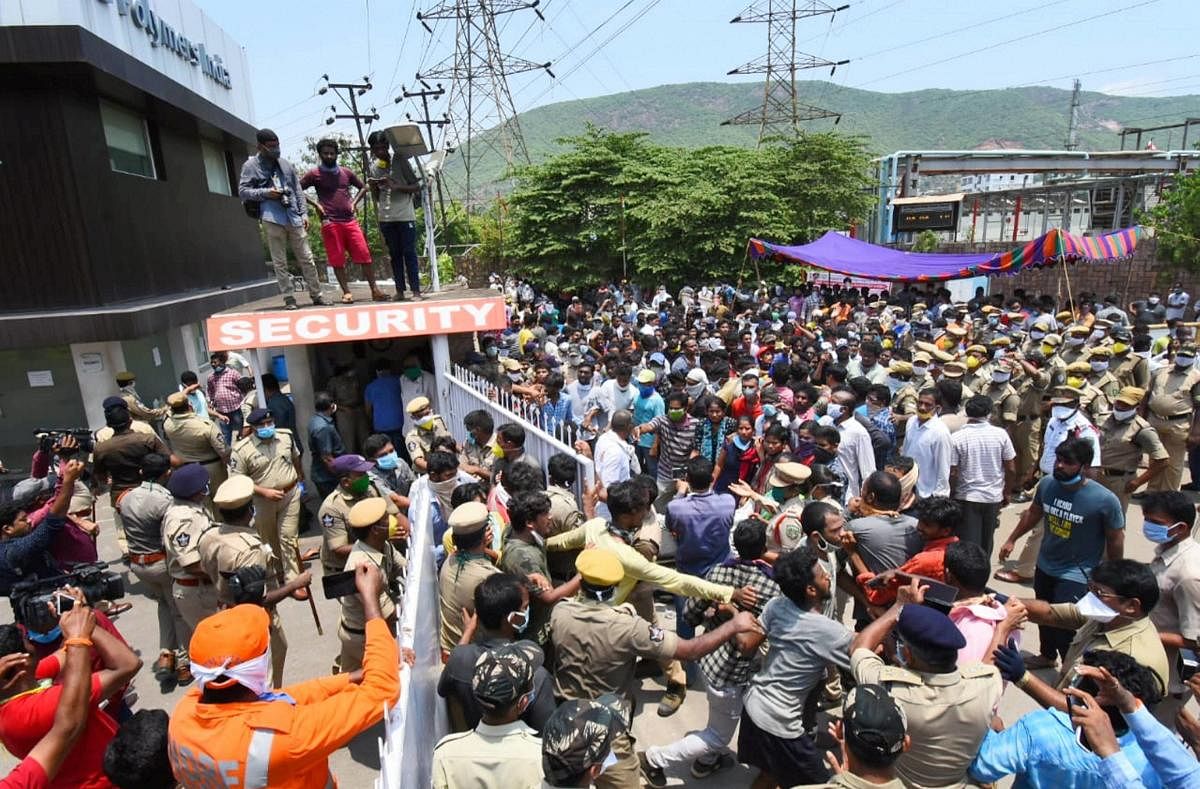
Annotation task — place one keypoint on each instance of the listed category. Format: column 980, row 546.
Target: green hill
column 690, row 115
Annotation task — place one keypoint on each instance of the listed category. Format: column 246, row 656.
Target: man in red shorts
column 340, row 230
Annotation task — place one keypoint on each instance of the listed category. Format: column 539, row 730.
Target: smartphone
column 1188, row 663
column 1072, row 703
column 63, row 603
column 338, row 584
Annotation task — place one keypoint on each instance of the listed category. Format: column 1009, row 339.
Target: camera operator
column 27, row 712
column 47, row 756
column 24, row 549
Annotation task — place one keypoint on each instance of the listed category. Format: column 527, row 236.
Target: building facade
column 123, row 128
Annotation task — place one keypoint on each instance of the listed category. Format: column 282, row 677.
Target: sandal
column 1008, row 576
column 113, row 609
column 347, row 298
column 379, row 295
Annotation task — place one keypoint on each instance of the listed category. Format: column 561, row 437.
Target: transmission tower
column 1073, row 120
column 782, row 112
column 483, row 119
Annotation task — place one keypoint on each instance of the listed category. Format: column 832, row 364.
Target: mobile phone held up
column 338, row 584
column 1188, row 663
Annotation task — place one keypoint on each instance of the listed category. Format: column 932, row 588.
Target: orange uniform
column 276, row 743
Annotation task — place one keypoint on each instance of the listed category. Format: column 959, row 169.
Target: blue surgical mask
column 266, row 433
column 646, row 389
column 45, row 638
column 389, row 461
column 1158, row 533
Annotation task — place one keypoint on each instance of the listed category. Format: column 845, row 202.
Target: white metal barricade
column 467, row 392
column 414, row 726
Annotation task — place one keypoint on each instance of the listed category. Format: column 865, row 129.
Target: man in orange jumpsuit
column 231, row 730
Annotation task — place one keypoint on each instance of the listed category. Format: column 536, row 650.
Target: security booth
column 305, row 347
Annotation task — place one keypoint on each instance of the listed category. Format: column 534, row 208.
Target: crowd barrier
column 468, row 392
column 414, row 725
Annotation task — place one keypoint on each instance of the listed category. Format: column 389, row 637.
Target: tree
column 681, row 215
column 1176, row 221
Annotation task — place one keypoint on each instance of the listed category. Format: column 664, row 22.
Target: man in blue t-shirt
column 384, row 403
column 1084, row 526
column 647, row 405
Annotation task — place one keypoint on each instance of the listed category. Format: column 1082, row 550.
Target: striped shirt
column 675, row 440
column 726, row 666
column 979, row 452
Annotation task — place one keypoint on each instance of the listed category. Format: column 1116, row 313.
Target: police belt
column 1117, row 472
column 205, row 461
column 194, row 581
column 354, row 630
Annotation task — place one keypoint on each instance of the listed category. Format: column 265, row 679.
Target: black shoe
column 703, row 769
column 653, row 776
column 1191, row 486
column 289, row 303
column 672, row 700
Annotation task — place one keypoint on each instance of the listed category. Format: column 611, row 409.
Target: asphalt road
column 310, row 655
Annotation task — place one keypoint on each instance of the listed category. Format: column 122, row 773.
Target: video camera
column 49, row 436
column 38, row 603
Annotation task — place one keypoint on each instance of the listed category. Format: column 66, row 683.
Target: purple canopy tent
column 837, row 253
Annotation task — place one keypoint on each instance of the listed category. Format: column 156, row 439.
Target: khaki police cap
column 788, row 473
column 954, row 369
column 926, row 347
column 599, row 567
column 1002, row 341
column 1079, row 331
column 1131, row 395
column 510, row 364
column 234, row 492
column 468, row 518
column 989, row 309
column 1081, row 367
column 416, row 404
column 125, row 377
column 176, row 399
column 367, row 512
column 1064, row 316
column 1101, row 351
column 976, row 349
column 922, row 357
column 1052, row 339
column 900, row 367
column 920, row 306
column 1066, row 394
column 1014, row 316
column 955, row 330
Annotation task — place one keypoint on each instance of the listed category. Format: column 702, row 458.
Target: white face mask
column 1075, row 342
column 1184, row 361
column 1097, row 335
column 834, row 411
column 1142, row 354
column 1099, row 367
column 1036, row 335
column 1062, row 411
column 1124, row 416
column 1001, row 376
column 920, row 370
column 1092, row 607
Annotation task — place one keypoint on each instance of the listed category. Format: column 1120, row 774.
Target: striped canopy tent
column 849, row 256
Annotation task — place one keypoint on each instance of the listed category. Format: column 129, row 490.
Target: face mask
column 1001, row 376
column 389, row 461
column 924, row 416
column 360, row 486
column 266, row 433
column 993, row 320
column 1036, row 335
column 1153, row 301
column 1099, row 367
column 519, row 620
column 271, row 153
column 1119, row 348
column 750, row 393
column 920, row 370
column 1097, row 335
column 1062, row 478
column 1062, row 411
column 412, row 373
column 834, row 411
column 676, row 414
column 645, row 390
column 1124, row 416
column 1184, row 361
column 1075, row 342
column 972, row 362
column 425, row 422
column 1158, row 533
column 1047, row 349
column 822, row 455
column 497, row 452
column 492, row 352
column 1092, row 607
column 220, row 368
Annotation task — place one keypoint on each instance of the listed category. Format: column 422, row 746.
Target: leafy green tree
column 1176, row 221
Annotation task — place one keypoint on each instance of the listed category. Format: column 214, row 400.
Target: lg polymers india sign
column 162, row 34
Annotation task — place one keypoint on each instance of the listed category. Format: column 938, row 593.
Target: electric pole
column 348, row 93
column 1073, row 120
column 482, row 116
column 425, row 94
column 782, row 111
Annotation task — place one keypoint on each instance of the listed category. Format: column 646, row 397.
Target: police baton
column 312, row 604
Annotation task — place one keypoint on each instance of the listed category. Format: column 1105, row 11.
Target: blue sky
column 1131, row 47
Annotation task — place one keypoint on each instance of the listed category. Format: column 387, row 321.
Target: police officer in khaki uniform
column 354, row 485
column 1006, row 403
column 351, row 418
column 127, row 382
column 372, row 528
column 464, row 569
column 1051, row 344
column 979, row 372
column 235, row 544
column 1124, row 437
column 1092, row 401
column 1171, row 402
column 1075, row 344
column 904, row 400
column 194, row 439
column 957, row 371
column 1100, row 376
column 271, row 457
column 565, row 514
column 597, row 646
column 1037, row 332
column 426, row 427
column 949, row 706
column 1128, row 367
column 1033, row 388
column 185, row 521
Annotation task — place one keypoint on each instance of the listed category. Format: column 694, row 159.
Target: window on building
column 215, row 168
column 128, row 141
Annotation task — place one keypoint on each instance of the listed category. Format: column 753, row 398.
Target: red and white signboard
column 237, row 331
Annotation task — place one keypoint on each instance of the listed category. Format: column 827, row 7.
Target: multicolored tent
column 843, row 255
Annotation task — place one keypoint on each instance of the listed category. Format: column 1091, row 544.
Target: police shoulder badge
column 657, row 634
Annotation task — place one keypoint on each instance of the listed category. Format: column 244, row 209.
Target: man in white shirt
column 579, row 391
column 619, row 393
column 855, row 451
column 983, row 462
column 1177, row 302
column 614, row 457
column 927, row 441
